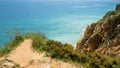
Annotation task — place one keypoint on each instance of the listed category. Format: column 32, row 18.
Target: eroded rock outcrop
column 102, row 36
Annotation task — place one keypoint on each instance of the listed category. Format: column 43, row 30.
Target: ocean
column 62, row 21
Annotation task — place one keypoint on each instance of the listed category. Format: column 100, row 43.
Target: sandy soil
column 27, row 58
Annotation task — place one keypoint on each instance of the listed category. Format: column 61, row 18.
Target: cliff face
column 102, row 36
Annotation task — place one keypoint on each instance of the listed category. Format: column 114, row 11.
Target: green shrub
column 39, row 40
column 18, row 37
column 110, row 13
column 7, row 48
column 63, row 52
column 66, row 53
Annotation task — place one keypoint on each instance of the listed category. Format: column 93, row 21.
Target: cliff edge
column 102, row 36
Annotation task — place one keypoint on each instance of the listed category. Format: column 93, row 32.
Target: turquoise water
column 62, row 21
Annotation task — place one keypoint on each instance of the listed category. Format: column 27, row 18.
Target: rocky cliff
column 102, row 36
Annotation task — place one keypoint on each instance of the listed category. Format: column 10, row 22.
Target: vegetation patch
column 65, row 52
column 7, row 48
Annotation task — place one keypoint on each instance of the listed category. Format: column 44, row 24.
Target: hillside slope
column 102, row 36
column 26, row 57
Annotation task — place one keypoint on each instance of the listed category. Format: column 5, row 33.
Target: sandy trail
column 27, row 58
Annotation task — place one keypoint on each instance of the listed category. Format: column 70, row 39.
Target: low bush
column 63, row 52
column 7, row 48
column 39, row 40
column 66, row 53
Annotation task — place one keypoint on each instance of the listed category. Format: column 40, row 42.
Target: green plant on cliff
column 64, row 52
column 7, row 48
column 39, row 40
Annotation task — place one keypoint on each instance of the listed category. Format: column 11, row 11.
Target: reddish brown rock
column 118, row 7
column 89, row 31
column 93, row 42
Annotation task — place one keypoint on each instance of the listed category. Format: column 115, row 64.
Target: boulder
column 94, row 41
column 6, row 63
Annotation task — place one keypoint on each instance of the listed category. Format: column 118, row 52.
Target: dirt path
column 27, row 58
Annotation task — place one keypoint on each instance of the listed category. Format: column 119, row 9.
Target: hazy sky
column 67, row 0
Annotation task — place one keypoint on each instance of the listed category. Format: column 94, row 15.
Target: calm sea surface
column 62, row 21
